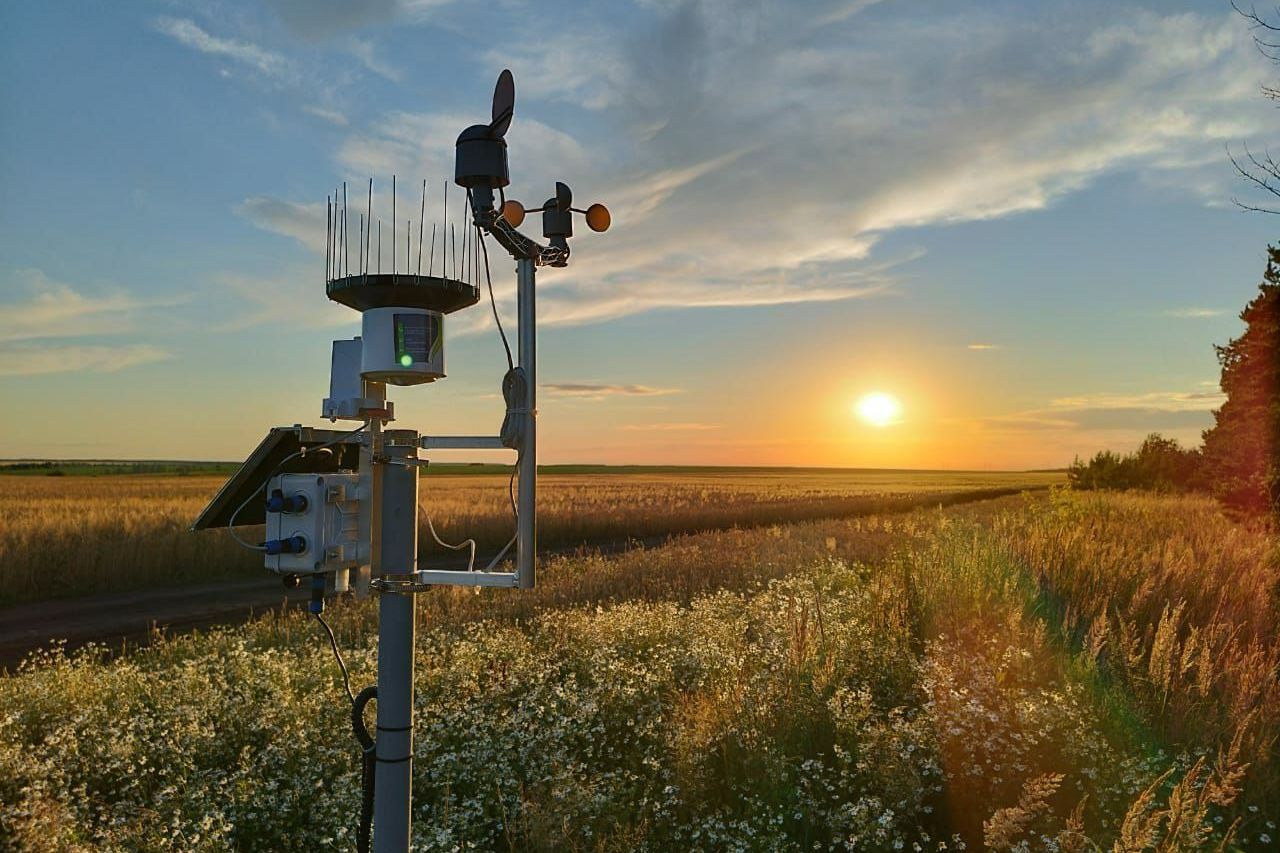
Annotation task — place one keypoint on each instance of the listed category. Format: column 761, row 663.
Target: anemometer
column 341, row 507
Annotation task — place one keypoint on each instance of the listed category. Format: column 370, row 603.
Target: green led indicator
column 406, row 360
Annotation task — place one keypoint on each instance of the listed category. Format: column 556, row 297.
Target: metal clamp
column 394, row 586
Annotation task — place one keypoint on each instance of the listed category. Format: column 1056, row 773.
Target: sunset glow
column 879, row 409
column 875, row 314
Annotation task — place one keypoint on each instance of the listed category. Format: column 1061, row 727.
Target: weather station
column 341, row 507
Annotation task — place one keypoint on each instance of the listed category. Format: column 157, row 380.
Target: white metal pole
column 398, row 551
column 526, row 527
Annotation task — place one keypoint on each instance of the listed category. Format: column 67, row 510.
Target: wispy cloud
column 600, row 390
column 423, row 144
column 190, row 34
column 289, row 296
column 556, row 70
column 669, row 427
column 1111, row 415
column 302, row 222
column 1194, row 313
column 984, row 347
column 1141, row 418
column 1166, row 401
column 371, row 57
column 53, row 309
column 333, row 117
column 36, row 359
column 318, row 19
column 321, row 19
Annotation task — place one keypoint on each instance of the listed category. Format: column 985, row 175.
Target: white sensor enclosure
column 346, row 386
column 329, row 525
column 402, row 346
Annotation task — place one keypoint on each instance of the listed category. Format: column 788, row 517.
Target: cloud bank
column 760, row 157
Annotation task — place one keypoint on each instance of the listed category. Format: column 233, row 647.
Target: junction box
column 313, row 525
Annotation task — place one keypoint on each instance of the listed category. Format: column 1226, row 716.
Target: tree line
column 1239, row 459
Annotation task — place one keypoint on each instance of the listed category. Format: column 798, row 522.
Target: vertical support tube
column 527, row 345
column 370, row 490
column 397, row 559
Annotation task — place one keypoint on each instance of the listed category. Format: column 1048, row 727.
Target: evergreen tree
column 1242, row 449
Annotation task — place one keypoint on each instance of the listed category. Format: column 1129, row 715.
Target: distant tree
column 1162, row 463
column 1159, row 463
column 1106, row 470
column 1261, row 171
column 1242, row 449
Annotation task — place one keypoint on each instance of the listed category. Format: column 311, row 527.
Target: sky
column 1014, row 218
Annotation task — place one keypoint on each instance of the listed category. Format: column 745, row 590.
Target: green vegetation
column 1084, row 673
column 1159, row 463
column 103, row 468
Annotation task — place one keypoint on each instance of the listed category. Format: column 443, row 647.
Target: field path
column 128, row 619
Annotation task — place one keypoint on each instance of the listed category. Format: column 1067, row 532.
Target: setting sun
column 879, row 409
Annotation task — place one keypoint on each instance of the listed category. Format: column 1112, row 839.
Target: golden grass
column 1177, row 603
column 838, row 684
column 66, row 536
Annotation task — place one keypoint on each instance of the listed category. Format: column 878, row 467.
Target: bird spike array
column 458, row 256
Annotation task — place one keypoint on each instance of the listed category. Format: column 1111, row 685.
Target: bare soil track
column 130, row 619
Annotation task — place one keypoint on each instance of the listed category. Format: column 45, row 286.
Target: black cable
column 368, row 745
column 493, row 303
column 333, row 643
column 367, row 766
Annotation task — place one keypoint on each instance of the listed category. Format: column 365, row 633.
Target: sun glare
column 879, row 409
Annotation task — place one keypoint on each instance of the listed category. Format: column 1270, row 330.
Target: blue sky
column 1014, row 217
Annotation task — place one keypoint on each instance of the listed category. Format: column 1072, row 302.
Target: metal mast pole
column 527, row 346
column 398, row 552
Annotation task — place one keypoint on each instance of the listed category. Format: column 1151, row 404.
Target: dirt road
column 129, row 619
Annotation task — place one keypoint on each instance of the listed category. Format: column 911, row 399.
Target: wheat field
column 79, row 535
column 1071, row 673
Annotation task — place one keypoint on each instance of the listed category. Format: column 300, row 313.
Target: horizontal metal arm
column 518, row 245
column 462, row 442
column 443, row 577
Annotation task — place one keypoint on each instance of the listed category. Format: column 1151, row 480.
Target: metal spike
column 422, row 219
column 368, row 229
